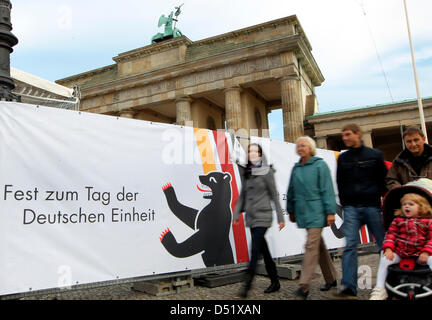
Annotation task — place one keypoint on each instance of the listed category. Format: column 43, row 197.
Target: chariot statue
column 170, row 30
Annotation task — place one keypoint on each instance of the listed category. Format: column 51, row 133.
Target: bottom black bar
column 206, row 309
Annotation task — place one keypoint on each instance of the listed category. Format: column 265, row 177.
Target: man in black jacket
column 361, row 173
column 414, row 162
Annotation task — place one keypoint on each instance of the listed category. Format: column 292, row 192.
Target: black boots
column 328, row 286
column 274, row 286
column 247, row 284
column 272, row 273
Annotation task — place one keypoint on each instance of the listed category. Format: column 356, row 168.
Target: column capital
column 184, row 98
column 322, row 136
column 233, row 88
column 127, row 114
column 287, row 78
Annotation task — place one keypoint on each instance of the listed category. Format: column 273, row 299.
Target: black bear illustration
column 212, row 224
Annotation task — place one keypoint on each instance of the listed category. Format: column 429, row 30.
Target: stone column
column 127, row 114
column 321, row 142
column 367, row 138
column 233, row 108
column 183, row 110
column 292, row 109
column 266, row 128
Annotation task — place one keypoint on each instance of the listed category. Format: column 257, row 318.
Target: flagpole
column 419, row 99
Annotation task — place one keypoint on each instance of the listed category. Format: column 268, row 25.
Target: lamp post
column 7, row 41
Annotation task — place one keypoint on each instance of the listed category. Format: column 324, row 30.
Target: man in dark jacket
column 361, row 173
column 414, row 162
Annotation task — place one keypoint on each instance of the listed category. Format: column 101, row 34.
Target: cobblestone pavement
column 367, row 276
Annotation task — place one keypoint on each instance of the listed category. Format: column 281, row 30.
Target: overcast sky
column 65, row 37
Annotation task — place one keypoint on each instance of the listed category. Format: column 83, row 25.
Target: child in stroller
column 408, row 239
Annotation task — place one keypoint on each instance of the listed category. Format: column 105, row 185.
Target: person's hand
column 330, row 219
column 292, row 217
column 236, row 222
column 423, row 258
column 281, row 225
column 388, row 253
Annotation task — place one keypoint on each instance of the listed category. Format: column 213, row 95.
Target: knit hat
column 392, row 199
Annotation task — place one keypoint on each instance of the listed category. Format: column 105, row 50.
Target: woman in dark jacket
column 257, row 193
column 311, row 203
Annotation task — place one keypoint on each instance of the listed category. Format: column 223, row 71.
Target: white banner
column 290, row 240
column 88, row 198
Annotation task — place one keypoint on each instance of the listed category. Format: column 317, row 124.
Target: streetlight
column 7, row 41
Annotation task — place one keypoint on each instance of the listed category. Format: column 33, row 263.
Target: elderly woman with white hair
column 311, row 203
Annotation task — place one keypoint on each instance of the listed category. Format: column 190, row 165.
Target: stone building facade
column 35, row 90
column 382, row 125
column 230, row 81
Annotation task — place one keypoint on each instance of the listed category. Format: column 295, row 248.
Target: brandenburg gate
column 230, row 81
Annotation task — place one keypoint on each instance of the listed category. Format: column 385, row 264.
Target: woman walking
column 311, row 203
column 257, row 193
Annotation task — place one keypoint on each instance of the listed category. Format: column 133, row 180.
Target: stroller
column 407, row 280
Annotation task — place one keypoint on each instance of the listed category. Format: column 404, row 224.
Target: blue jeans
column 354, row 218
